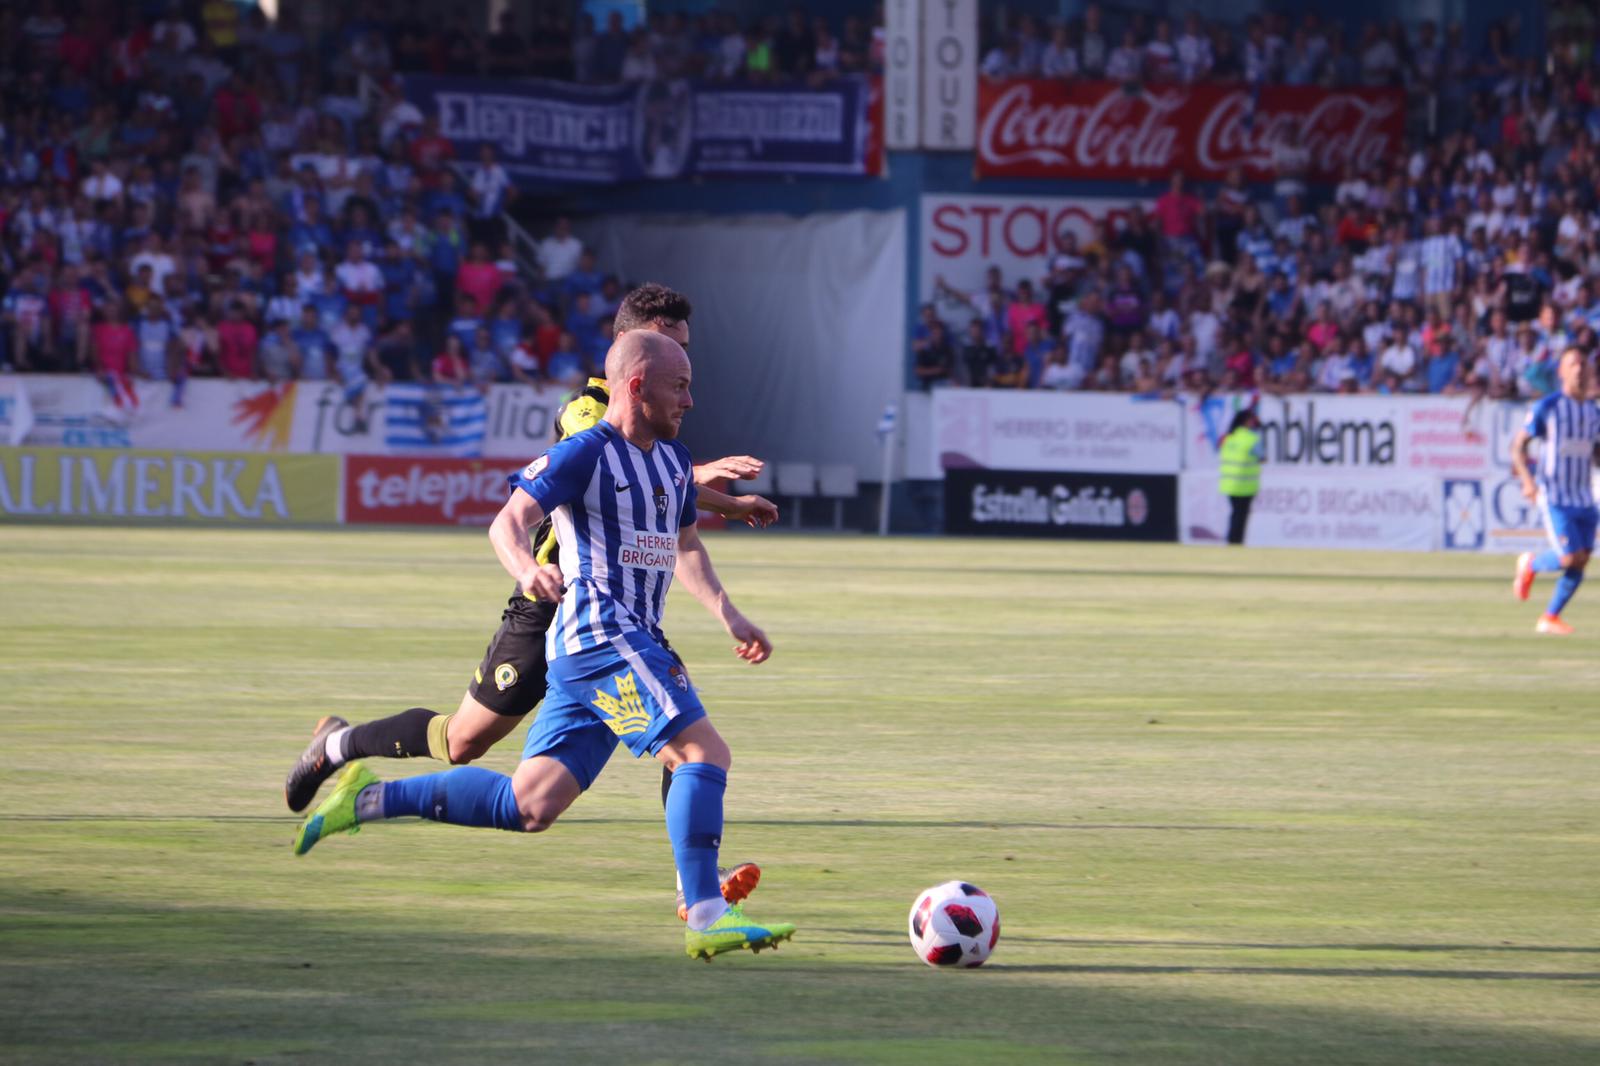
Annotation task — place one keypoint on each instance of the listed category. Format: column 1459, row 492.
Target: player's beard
column 661, row 424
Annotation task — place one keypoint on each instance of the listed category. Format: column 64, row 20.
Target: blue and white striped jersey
column 617, row 510
column 1440, row 255
column 1570, row 429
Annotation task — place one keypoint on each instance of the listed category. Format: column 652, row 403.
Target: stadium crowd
column 1270, row 48
column 188, row 189
column 1467, row 266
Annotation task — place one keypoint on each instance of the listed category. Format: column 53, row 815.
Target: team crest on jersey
column 679, row 678
column 536, row 467
column 505, row 675
column 661, row 501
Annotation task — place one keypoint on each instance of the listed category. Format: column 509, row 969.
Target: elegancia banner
column 1005, row 430
column 548, row 131
column 1297, row 508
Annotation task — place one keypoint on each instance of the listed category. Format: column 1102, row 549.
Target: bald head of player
column 648, row 376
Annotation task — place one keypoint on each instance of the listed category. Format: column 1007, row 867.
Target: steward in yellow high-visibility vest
column 1239, row 469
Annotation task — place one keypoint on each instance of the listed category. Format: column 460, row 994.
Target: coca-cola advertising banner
column 1059, row 129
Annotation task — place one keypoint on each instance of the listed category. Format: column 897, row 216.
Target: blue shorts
column 632, row 690
column 1571, row 529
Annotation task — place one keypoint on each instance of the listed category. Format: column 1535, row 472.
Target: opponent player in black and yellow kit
column 510, row 681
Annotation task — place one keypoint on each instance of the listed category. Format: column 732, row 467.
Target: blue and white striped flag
column 434, row 419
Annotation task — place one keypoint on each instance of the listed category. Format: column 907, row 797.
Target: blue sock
column 694, row 822
column 467, row 795
column 1546, row 561
column 1565, row 587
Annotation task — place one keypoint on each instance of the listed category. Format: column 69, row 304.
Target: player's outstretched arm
column 695, row 572
column 732, row 467
column 757, row 511
column 509, row 533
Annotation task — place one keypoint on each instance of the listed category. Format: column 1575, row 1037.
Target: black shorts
column 510, row 680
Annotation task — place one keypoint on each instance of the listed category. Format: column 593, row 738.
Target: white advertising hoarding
column 1302, row 509
column 1005, row 430
column 242, row 416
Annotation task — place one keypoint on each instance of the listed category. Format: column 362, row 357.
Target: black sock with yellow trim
column 399, row 736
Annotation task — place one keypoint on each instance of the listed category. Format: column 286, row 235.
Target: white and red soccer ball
column 954, row 924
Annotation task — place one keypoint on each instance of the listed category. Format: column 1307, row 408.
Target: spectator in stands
column 485, row 366
column 566, row 365
column 278, row 355
column 354, row 362
column 478, row 278
column 450, row 365
column 978, row 356
column 111, row 350
column 559, row 252
column 313, row 344
column 935, row 359
column 523, row 360
column 1179, row 212
column 237, row 342
column 360, row 280
column 490, row 193
column 399, row 353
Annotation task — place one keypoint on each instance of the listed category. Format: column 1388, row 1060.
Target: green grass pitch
column 1236, row 807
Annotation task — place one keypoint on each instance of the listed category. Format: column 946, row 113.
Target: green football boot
column 731, row 932
column 337, row 814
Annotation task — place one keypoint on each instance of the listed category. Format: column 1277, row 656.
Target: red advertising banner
column 1060, row 129
column 432, row 490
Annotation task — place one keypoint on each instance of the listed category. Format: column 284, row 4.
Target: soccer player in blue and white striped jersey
column 1568, row 424
column 622, row 498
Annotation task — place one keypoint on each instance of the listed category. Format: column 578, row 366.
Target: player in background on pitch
column 510, row 681
column 623, row 500
column 1568, row 422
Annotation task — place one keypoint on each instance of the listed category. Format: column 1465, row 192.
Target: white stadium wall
column 798, row 335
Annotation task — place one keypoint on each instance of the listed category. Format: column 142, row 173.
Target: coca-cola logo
column 1119, row 130
column 1341, row 129
column 1031, row 127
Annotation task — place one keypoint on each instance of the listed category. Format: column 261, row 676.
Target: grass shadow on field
column 844, row 823
column 1318, row 971
column 84, row 979
column 1232, row 945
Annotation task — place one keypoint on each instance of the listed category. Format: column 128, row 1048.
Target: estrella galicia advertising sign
column 1073, row 505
